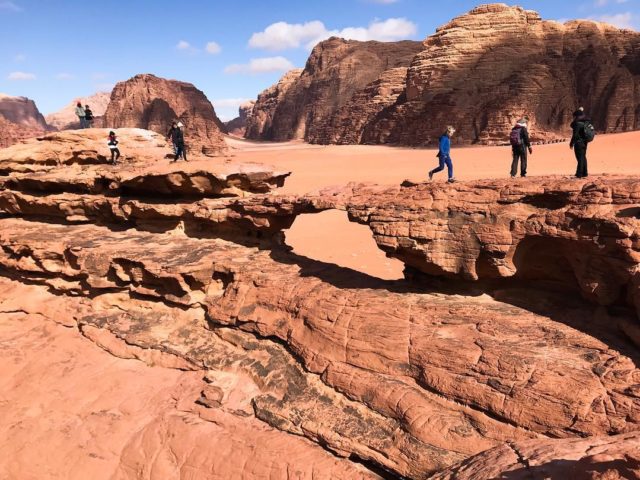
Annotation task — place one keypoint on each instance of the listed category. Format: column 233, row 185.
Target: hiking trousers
column 580, row 149
column 519, row 155
column 444, row 161
column 180, row 152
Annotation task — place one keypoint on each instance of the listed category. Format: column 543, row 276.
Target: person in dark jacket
column 444, row 154
column 113, row 146
column 88, row 116
column 170, row 135
column 520, row 144
column 578, row 142
column 178, row 141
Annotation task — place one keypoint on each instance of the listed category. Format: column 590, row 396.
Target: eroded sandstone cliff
column 22, row 111
column 238, row 126
column 66, row 119
column 152, row 103
column 184, row 268
column 335, row 71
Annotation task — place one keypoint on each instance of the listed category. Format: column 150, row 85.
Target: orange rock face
column 180, row 274
column 22, row 111
column 335, row 71
column 484, row 70
column 11, row 133
column 152, row 103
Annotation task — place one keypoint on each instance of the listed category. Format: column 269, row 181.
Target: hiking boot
column 430, row 176
column 524, row 175
column 513, row 176
column 451, row 180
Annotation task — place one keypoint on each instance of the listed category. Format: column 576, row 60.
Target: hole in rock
column 544, row 260
column 331, row 238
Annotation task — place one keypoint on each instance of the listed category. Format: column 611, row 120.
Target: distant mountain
column 66, row 118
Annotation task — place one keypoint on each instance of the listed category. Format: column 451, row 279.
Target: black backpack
column 588, row 131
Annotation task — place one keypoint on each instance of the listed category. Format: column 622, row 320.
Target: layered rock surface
column 358, row 377
column 484, row 70
column 12, row 133
column 335, row 71
column 152, row 103
column 66, row 119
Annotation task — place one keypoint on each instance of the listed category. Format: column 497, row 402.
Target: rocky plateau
column 510, row 350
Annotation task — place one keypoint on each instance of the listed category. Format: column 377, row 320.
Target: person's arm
column 525, row 139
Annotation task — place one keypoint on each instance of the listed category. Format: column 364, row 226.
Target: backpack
column 516, row 137
column 588, row 132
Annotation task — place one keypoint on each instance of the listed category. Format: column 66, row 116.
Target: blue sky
column 53, row 51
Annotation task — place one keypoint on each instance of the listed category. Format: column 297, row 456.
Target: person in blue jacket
column 444, row 154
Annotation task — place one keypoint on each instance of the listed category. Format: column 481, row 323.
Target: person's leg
column 514, row 163
column 449, row 163
column 581, row 157
column 113, row 155
column 184, row 153
column 523, row 162
column 576, row 151
column 439, row 168
column 117, row 154
column 585, row 170
column 178, row 153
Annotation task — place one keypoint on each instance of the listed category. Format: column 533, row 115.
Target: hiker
column 583, row 134
column 178, row 141
column 444, row 154
column 88, row 117
column 170, row 135
column 113, row 146
column 520, row 143
column 81, row 115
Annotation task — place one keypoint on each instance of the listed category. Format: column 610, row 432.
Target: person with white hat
column 444, row 154
column 178, row 142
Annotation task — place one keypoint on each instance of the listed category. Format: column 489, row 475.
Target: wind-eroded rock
column 12, row 133
column 484, row 70
column 601, row 458
column 335, row 71
column 66, row 119
column 22, row 111
column 152, row 103
column 238, row 126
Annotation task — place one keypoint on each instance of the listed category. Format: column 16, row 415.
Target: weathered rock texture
column 606, row 458
column 335, row 71
column 238, row 125
column 152, row 103
column 259, row 126
column 480, row 72
column 484, row 70
column 352, row 376
column 12, row 133
column 22, row 111
column 66, row 118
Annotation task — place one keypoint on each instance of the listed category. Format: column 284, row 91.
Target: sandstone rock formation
column 184, row 268
column 152, row 103
column 484, row 70
column 259, row 126
column 238, row 125
column 603, row 458
column 22, row 111
column 335, row 71
column 66, row 118
column 11, row 133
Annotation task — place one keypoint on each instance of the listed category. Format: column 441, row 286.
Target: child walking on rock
column 113, row 146
column 444, row 154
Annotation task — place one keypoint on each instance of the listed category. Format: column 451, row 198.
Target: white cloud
column 21, row 76
column 229, row 102
column 65, row 76
column 261, row 65
column 183, row 45
column 620, row 20
column 282, row 35
column 213, row 48
column 9, row 6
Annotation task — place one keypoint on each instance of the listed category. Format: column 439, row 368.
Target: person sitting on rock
column 178, row 141
column 88, row 116
column 81, row 115
column 520, row 143
column 444, row 154
column 113, row 146
column 583, row 133
column 170, row 136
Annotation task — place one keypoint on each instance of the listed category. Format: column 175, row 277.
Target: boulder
column 152, row 103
